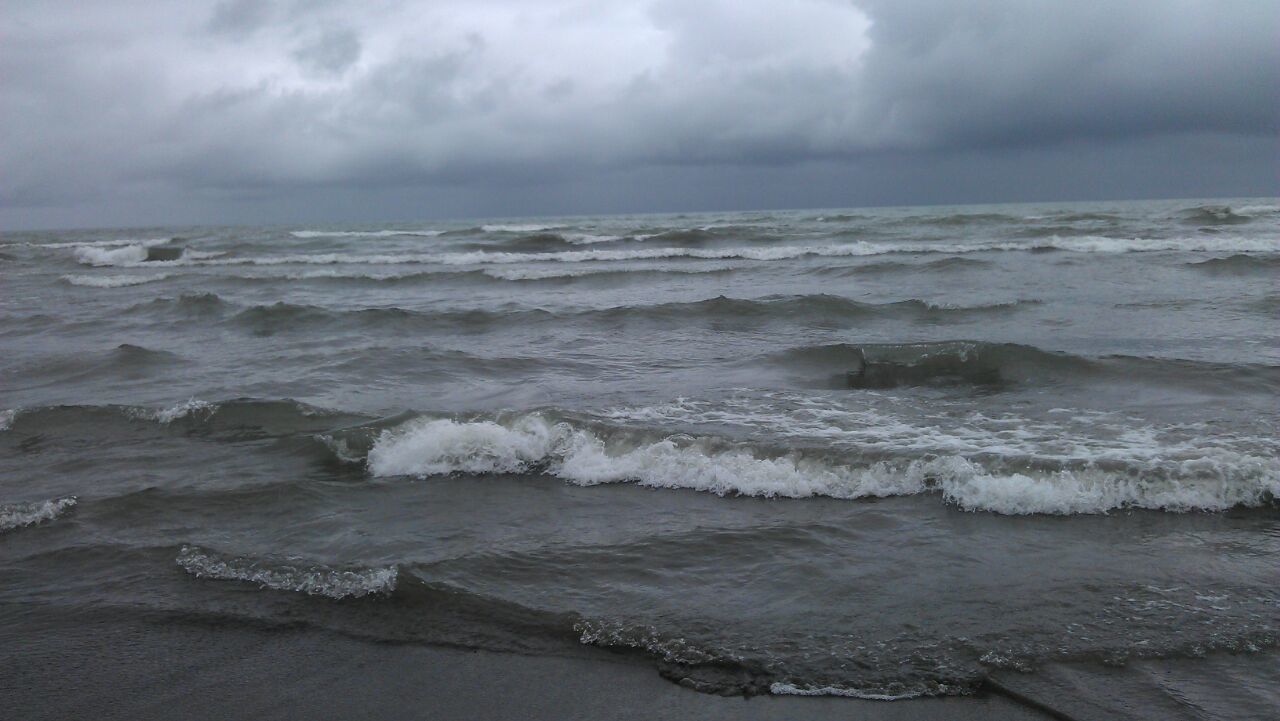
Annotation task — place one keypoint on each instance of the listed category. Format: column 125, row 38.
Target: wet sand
column 60, row 667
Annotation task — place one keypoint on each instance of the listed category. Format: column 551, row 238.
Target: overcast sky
column 120, row 112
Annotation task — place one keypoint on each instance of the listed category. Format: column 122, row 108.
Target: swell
column 996, row 364
column 124, row 362
column 942, row 265
column 807, row 309
column 522, row 275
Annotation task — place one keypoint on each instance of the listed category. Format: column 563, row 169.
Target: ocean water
column 881, row 453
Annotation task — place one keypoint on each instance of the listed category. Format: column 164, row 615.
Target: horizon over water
column 882, row 453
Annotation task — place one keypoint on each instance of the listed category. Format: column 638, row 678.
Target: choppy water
column 869, row 452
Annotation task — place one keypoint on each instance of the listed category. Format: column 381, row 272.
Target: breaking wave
column 18, row 515
column 1180, row 479
column 137, row 254
column 313, row 579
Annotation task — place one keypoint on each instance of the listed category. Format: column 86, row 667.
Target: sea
column 881, row 453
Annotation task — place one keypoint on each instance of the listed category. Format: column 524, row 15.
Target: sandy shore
column 56, row 666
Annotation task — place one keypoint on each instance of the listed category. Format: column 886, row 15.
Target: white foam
column 312, row 579
column 112, row 281
column 1175, row 478
column 7, row 418
column 28, row 514
column 362, row 233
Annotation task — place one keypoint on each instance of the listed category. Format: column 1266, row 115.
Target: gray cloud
column 497, row 105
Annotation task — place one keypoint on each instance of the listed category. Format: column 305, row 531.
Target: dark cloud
column 520, row 106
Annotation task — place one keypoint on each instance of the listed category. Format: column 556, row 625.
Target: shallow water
column 877, row 453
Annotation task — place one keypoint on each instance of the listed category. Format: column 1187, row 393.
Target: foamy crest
column 18, row 515
column 442, row 446
column 779, row 688
column 1165, row 477
column 6, row 419
column 112, row 281
column 312, row 579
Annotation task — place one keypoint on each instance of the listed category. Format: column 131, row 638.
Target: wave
column 517, row 227
column 533, row 274
column 1204, row 479
column 144, row 242
column 113, row 281
column 312, row 579
column 19, row 515
column 237, row 418
column 1239, row 264
column 1211, row 215
column 809, row 309
column 134, row 255
column 888, row 266
column 1083, row 244
column 363, row 233
column 994, row 364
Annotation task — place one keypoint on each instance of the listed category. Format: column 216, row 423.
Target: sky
column 125, row 112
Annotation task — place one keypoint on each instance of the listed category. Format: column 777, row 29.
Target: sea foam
column 311, row 579
column 18, row 515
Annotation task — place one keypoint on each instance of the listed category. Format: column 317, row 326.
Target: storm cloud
column 133, row 112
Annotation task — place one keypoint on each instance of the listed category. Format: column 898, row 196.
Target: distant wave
column 517, row 227
column 113, row 281
column 19, row 515
column 362, row 233
column 131, row 256
column 1225, row 215
column 137, row 254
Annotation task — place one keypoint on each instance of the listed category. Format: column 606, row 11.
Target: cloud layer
column 220, row 103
